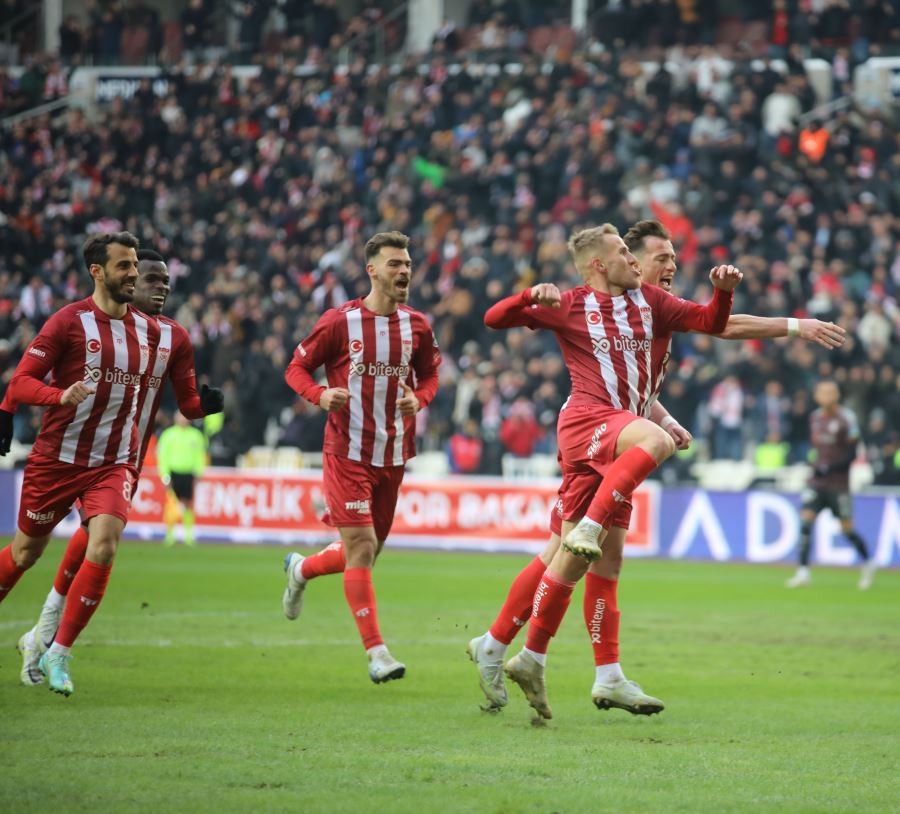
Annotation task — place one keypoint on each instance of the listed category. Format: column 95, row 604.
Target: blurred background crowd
column 261, row 191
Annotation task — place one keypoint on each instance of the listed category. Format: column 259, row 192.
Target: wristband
column 793, row 326
column 667, row 421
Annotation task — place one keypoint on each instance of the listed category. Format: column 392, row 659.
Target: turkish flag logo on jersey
column 93, row 345
column 593, row 317
column 356, row 346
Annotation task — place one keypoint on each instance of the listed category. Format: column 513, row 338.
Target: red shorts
column 587, row 438
column 360, row 494
column 51, row 487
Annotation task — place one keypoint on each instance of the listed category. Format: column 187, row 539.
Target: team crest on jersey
column 163, row 354
column 145, row 354
column 646, row 313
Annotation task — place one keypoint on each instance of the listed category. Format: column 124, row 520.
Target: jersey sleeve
column 675, row 314
column 425, row 364
column 520, row 311
column 310, row 355
column 43, row 354
column 183, row 376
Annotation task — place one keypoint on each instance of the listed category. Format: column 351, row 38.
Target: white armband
column 667, row 421
column 793, row 326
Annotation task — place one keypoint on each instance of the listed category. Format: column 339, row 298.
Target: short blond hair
column 589, row 241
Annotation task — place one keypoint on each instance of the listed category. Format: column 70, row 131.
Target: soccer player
column 174, row 359
column 98, row 350
column 651, row 245
column 614, row 336
column 370, row 347
column 834, row 433
column 181, row 459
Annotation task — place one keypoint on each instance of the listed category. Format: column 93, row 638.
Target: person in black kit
column 834, row 435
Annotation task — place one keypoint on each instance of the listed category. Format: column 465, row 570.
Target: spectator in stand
column 71, row 41
column 520, row 431
column 464, row 449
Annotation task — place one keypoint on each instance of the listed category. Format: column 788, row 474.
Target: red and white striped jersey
column 616, row 348
column 174, row 359
column 82, row 343
column 369, row 355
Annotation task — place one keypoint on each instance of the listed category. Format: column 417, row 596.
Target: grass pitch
column 194, row 694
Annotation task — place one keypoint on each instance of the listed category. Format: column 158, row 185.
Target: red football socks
column 71, row 561
column 10, row 573
column 550, row 603
column 85, row 594
column 516, row 609
column 361, row 599
column 628, row 471
column 330, row 560
column 601, row 615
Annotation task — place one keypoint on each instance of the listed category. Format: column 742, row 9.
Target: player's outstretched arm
column 747, row 326
column 517, row 311
column 660, row 415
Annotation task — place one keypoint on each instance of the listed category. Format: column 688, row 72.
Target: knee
column 26, row 551
column 610, row 567
column 24, row 558
column 360, row 551
column 102, row 548
column 660, row 445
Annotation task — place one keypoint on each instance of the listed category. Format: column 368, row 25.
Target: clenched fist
column 77, row 393
column 334, row 398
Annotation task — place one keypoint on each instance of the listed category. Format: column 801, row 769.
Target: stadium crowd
column 261, row 194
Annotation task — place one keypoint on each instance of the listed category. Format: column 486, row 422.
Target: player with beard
column 174, row 360
column 98, row 351
column 381, row 361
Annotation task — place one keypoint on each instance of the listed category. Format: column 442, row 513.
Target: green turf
column 194, row 694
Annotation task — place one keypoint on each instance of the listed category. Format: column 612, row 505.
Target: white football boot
column 584, row 541
column 292, row 600
column 525, row 671
column 625, row 695
column 383, row 666
column 490, row 675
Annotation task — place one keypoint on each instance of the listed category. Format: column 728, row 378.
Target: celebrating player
column 174, row 359
column 98, row 350
column 614, row 336
column 834, row 433
column 370, row 348
column 651, row 245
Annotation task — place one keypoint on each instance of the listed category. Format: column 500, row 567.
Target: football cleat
column 55, row 666
column 30, row 652
column 867, row 575
column 292, row 601
column 584, row 542
column 490, row 676
column 625, row 695
column 529, row 675
column 48, row 622
column 800, row 580
column 384, row 667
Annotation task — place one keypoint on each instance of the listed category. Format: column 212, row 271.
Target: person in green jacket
column 181, row 458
